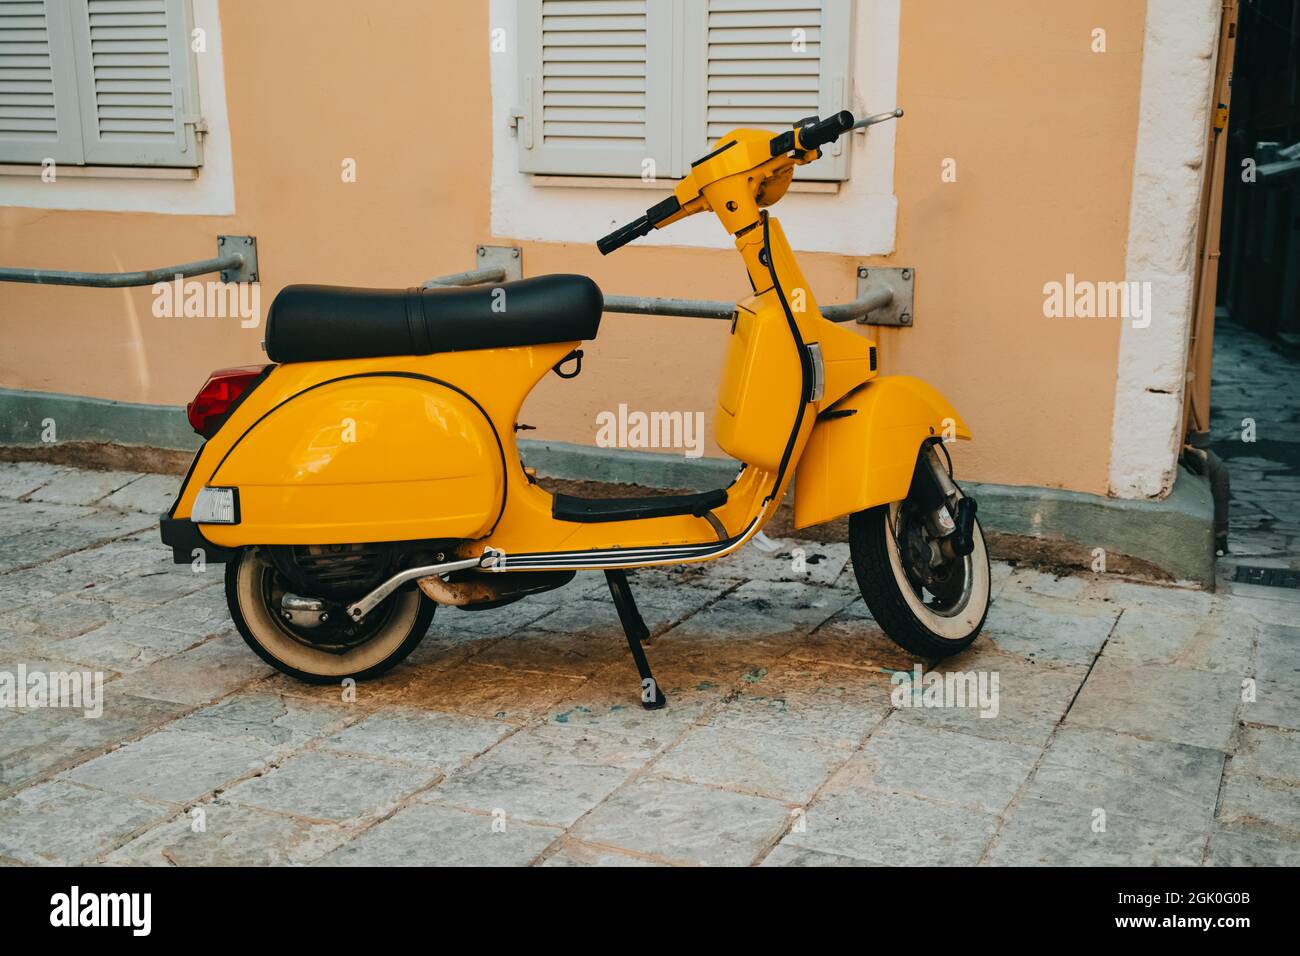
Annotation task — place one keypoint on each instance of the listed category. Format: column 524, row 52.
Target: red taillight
column 219, row 392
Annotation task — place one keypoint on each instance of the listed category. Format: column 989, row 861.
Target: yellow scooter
column 372, row 473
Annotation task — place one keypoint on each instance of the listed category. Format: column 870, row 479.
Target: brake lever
column 878, row 118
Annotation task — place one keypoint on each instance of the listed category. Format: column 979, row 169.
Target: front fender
column 863, row 450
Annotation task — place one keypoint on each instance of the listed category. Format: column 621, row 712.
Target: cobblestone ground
column 1256, row 383
column 514, row 736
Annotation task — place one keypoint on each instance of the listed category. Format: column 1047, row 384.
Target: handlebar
column 641, row 226
column 818, row 133
column 807, row 135
column 624, row 234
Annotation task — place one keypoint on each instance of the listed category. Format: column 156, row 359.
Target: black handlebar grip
column 623, row 235
column 816, row 135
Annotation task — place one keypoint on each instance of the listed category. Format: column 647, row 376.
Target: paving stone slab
column 787, row 854
column 1043, row 833
column 789, row 560
column 42, row 742
column 198, row 614
column 576, row 853
column 331, row 787
column 198, row 675
column 155, row 587
column 1268, row 752
column 125, row 646
column 64, row 824
column 48, row 625
column 548, row 774
column 29, row 548
column 852, row 639
column 936, row 764
column 1277, row 654
column 892, row 829
column 260, row 719
column 1256, row 800
column 1161, row 702
column 1070, row 587
column 751, row 627
column 767, row 765
column 80, row 487
column 1032, row 697
column 1274, row 705
column 1245, row 845
column 611, row 701
column 836, row 706
column 19, row 478
column 1049, row 629
column 578, row 654
column 1217, row 641
column 428, row 834
column 149, row 494
column 1266, row 605
column 425, row 738
column 223, row 834
column 170, row 765
column 498, row 693
column 685, row 823
column 1151, row 780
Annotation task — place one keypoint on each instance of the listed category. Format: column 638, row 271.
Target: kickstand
column 652, row 698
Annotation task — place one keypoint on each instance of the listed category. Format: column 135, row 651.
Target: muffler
column 481, row 590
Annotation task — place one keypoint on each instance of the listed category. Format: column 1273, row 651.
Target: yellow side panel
column 761, row 384
column 866, row 458
column 380, row 458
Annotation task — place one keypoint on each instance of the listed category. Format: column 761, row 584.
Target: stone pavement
column 1134, row 724
column 1257, row 384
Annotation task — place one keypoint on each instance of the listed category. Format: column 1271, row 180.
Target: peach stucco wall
column 1043, row 131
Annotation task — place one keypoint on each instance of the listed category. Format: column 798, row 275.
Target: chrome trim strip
column 624, row 557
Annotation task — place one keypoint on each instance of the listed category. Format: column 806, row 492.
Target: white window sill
column 69, row 171
column 664, row 185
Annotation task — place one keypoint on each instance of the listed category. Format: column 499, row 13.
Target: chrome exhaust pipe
column 360, row 608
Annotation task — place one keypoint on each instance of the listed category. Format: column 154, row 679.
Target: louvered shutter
column 765, row 64
column 595, row 86
column 39, row 118
column 136, row 82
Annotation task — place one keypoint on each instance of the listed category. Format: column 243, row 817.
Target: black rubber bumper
column 184, row 537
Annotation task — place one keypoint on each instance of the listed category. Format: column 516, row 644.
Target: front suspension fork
column 949, row 514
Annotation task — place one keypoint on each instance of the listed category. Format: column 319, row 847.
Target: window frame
column 676, row 96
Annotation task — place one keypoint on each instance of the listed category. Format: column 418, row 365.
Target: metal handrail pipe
column 118, row 280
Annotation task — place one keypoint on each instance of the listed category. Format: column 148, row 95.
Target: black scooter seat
column 316, row 323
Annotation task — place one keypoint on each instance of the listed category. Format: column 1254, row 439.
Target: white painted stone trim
column 859, row 221
column 1178, row 62
column 209, row 193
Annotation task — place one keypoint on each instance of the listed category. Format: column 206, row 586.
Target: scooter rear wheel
column 933, row 618
column 326, row 654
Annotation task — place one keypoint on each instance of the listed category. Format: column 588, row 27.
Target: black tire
column 870, row 539
column 400, row 623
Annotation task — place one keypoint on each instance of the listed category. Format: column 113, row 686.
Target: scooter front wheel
column 333, row 649
column 931, row 611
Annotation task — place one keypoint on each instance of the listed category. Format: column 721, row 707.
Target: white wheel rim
column 268, row 634
column 951, row 627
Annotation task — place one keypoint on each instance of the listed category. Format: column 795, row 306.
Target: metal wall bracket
column 509, row 259
column 898, row 310
column 491, row 264
column 246, row 248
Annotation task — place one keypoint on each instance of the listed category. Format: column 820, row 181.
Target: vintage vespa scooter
column 372, row 473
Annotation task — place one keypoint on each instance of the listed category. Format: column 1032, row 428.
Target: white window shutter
column 136, row 79
column 39, row 119
column 595, row 86
column 765, row 64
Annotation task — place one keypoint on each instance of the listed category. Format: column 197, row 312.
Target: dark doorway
column 1255, row 400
